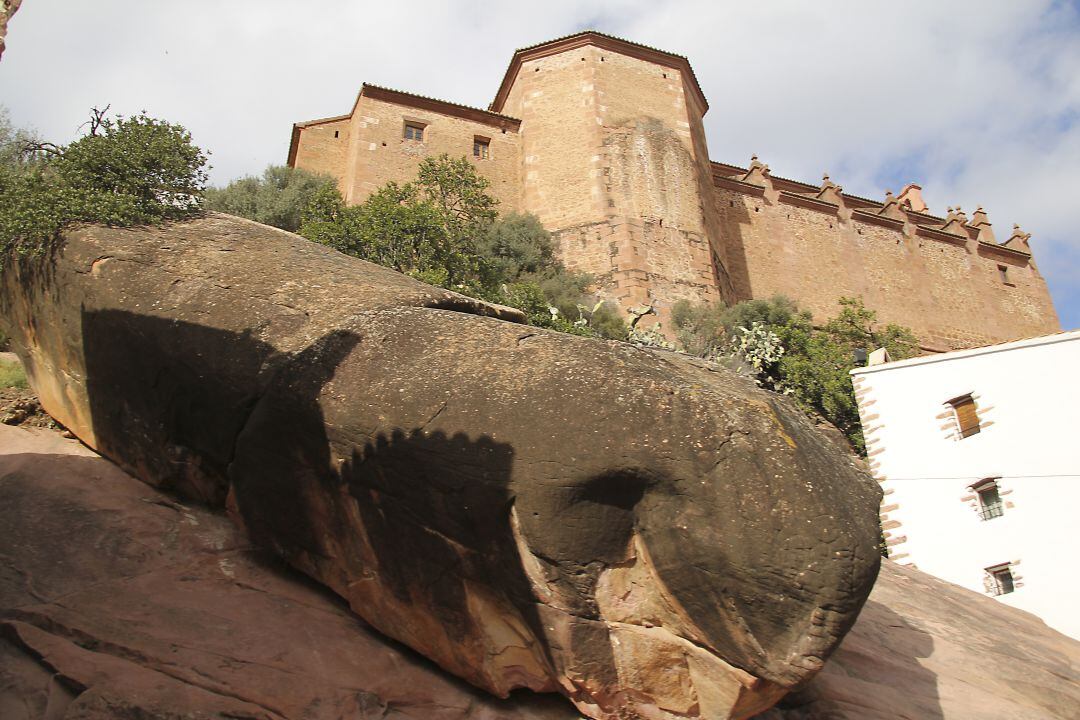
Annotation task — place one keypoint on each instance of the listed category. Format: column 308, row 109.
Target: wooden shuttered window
column 966, row 416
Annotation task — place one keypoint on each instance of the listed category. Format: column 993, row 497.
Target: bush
column 699, row 327
column 443, row 229
column 278, row 197
column 709, row 330
column 517, row 245
column 787, row 354
column 125, row 171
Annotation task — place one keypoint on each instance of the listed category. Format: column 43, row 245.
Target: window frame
column 995, row 574
column 961, row 405
column 418, row 128
column 989, row 510
column 1005, row 275
column 484, row 143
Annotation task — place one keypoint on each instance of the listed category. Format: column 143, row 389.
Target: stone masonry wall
column 608, row 147
column 948, row 291
column 371, row 149
column 323, row 148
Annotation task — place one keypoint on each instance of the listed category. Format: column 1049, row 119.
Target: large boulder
column 526, row 508
column 117, row 601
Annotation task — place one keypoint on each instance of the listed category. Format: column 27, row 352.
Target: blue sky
column 979, row 102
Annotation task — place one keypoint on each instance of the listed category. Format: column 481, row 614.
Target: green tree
column 124, row 171
column 787, row 354
column 16, row 144
column 816, row 369
column 454, row 186
column 443, row 228
column 396, row 227
column 277, row 197
column 429, row 227
column 517, row 245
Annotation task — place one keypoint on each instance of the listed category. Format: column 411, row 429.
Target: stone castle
column 603, row 140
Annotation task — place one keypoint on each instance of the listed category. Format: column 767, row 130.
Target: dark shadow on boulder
column 168, row 399
column 86, row 547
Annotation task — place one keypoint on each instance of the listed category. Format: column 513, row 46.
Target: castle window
column 336, row 132
column 414, row 131
column 999, row 579
column 967, row 417
column 1003, row 273
column 990, row 505
column 481, row 147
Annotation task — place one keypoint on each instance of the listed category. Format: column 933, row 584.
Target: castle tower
column 603, row 139
column 614, row 162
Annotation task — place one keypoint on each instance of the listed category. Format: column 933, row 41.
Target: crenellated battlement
column 906, row 212
column 948, row 278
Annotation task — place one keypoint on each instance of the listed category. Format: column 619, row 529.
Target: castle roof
column 408, row 99
column 601, row 40
column 445, row 107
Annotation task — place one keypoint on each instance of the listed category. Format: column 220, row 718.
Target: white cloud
column 978, row 101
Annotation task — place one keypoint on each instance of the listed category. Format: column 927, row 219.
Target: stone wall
column 946, row 286
column 322, row 146
column 609, row 142
column 603, row 140
column 370, row 148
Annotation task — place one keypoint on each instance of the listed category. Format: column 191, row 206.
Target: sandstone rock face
column 924, row 649
column 118, row 602
column 7, row 10
column 527, row 509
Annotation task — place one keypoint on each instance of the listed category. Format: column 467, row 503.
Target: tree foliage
column 443, row 228
column 124, row 171
column 16, row 144
column 517, row 246
column 277, row 197
column 788, row 354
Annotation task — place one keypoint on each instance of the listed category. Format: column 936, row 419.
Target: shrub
column 125, row 171
column 442, row 228
column 787, row 354
column 278, row 197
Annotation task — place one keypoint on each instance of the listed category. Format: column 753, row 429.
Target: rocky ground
column 21, row 407
column 117, row 601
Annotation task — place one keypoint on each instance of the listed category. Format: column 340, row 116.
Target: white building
column 978, row 452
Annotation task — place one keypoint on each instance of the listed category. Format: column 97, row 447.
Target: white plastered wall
column 1028, row 397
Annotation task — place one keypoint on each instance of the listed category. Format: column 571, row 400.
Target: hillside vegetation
column 443, row 227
